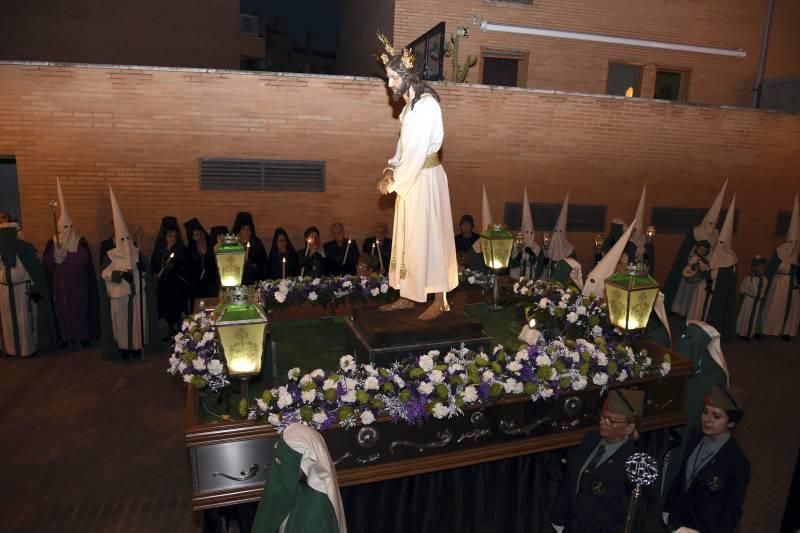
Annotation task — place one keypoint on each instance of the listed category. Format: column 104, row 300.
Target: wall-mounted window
column 671, row 84
column 624, row 79
column 508, row 68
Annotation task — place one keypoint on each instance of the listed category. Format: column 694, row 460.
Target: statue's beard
column 398, row 93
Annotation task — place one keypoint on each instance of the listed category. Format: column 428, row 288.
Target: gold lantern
column 242, row 326
column 230, row 260
column 630, row 297
column 496, row 244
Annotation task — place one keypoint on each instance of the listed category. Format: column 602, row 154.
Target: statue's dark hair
column 410, row 79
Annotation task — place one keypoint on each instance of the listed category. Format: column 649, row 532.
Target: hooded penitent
column 782, row 305
column 595, row 281
column 559, row 247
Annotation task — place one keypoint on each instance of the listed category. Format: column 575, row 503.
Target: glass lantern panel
column 617, row 298
column 243, row 345
column 231, row 267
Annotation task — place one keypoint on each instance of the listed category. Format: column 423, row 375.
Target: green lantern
column 630, row 297
column 230, row 256
column 496, row 244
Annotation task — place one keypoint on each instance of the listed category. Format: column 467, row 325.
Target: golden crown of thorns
column 407, row 57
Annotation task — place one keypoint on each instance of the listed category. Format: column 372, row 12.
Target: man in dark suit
column 709, row 491
column 341, row 253
column 380, row 246
column 595, row 494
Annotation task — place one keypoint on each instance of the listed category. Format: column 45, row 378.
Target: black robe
column 201, row 271
column 385, row 250
column 255, row 269
column 172, row 292
column 335, row 255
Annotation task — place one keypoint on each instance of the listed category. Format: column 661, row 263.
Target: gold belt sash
column 432, row 161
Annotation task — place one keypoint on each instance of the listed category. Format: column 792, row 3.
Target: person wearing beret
column 708, row 493
column 595, row 494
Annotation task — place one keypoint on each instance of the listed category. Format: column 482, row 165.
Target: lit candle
column 283, row 267
column 380, row 256
column 347, row 249
column 308, row 249
column 373, row 248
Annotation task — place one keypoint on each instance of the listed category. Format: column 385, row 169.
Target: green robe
column 12, row 248
column 656, row 332
column 287, row 497
column 109, row 346
column 721, row 310
column 562, row 272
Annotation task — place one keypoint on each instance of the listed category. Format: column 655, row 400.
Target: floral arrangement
column 563, row 311
column 441, row 387
column 329, row 290
column 475, row 278
column 196, row 356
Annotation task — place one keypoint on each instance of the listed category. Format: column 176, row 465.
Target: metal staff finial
column 642, row 471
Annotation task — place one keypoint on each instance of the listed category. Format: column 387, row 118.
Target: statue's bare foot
column 436, row 309
column 397, row 305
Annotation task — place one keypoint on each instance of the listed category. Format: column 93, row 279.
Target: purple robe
column 74, row 293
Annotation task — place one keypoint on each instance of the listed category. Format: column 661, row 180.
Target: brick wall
column 580, row 66
column 358, row 22
column 186, row 33
column 143, row 131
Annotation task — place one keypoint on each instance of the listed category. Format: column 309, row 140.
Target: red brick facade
column 571, row 65
column 143, row 131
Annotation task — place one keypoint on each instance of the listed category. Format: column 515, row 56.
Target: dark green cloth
column 675, row 274
column 656, row 331
column 561, row 274
column 614, row 233
column 722, row 308
column 287, row 496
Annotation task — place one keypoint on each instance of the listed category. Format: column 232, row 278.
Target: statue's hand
column 385, row 183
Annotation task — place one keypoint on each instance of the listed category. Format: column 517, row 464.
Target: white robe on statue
column 125, row 318
column 776, row 320
column 24, row 309
column 423, row 246
column 753, row 290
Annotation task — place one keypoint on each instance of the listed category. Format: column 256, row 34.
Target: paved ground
column 95, row 446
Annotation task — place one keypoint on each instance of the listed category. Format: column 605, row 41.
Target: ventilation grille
column 262, row 175
column 683, row 219
column 580, row 217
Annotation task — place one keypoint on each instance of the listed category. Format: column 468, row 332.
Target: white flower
column 349, row 397
column 439, row 410
column 199, row 364
column 543, row 360
column 425, row 388
column 470, row 394
column 572, row 317
column 546, row 392
column 173, row 361
column 187, row 378
column 384, row 288
column 522, row 355
column 483, row 357
column 436, row 376
column 514, row 366
column 543, row 303
column 597, row 331
column 350, row 384
column 328, row 384
column 648, row 361
column 207, row 337
column 319, row 418
column 367, row 417
column 305, row 379
column 347, row 284
column 602, row 360
column 309, row 395
column 315, row 281
column 665, row 368
column 371, row 383
column 574, row 356
column 579, row 383
column 553, row 374
column 261, row 404
column 623, row 375
column 487, row 376
column 581, row 309
column 497, row 349
column 293, row 374
column 426, row 363
column 318, row 373
column 280, row 297
column 274, row 419
column 471, row 281
column 601, row 378
column 215, row 367
column 347, row 363
column 523, row 291
column 182, row 366
column 369, row 369
column 455, row 368
column 565, row 296
column 434, row 353
column 312, row 296
column 562, row 304
column 512, row 386
column 399, row 381
column 284, row 398
column 375, row 291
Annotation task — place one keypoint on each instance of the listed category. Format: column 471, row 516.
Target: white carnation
column 471, row 281
column 274, row 419
column 439, row 411
column 514, row 366
column 399, row 381
column 546, row 392
column 316, row 281
column 279, row 297
column 449, row 357
column 350, row 384
column 543, row 360
column 375, row 291
column 312, row 296
column 543, row 303
column 436, row 376
column 305, row 379
column 347, row 284
column 553, row 374
column 367, row 417
column 597, row 331
column 425, row 388
column 187, row 378
column 601, row 378
column 487, row 376
column 347, row 363
column 262, row 405
column 319, row 418
column 384, row 288
column 426, row 363
column 579, row 383
column 470, row 394
column 309, row 395
column 455, row 368
column 371, row 383
column 369, row 369
column 623, row 375
column 293, row 374
column 581, row 309
column 318, row 373
column 572, row 317
column 349, row 396
column 522, row 355
column 199, row 364
column 434, row 353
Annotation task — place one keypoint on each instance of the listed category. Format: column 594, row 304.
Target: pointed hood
column 595, row 282
column 707, row 230
column 486, row 220
column 638, row 236
column 528, row 240
column 124, row 254
column 723, row 255
column 661, row 312
column 67, row 237
column 714, row 348
column 559, row 246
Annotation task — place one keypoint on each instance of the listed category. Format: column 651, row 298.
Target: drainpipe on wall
column 762, row 61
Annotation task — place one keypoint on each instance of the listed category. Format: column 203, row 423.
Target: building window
column 624, row 79
column 671, row 84
column 507, row 68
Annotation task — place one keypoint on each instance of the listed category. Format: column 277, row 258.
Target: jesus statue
column 423, row 249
